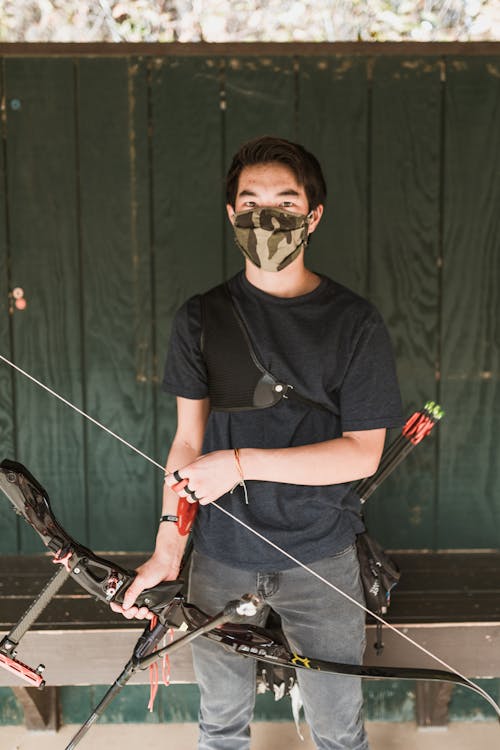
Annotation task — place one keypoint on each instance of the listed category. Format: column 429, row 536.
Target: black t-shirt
column 333, row 347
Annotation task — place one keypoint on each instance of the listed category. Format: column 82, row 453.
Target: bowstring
column 301, row 564
column 83, row 414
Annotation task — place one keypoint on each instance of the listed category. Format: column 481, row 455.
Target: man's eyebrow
column 288, row 191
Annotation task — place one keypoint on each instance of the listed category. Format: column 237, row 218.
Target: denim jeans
column 317, row 622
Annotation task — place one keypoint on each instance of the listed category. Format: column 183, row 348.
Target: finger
column 128, row 610
column 173, row 478
column 132, row 593
column 143, row 613
column 192, row 496
column 170, row 480
column 179, row 486
column 206, row 500
column 130, row 613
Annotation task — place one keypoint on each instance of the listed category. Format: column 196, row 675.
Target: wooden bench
column 448, row 601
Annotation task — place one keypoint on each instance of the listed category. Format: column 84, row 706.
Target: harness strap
column 237, row 379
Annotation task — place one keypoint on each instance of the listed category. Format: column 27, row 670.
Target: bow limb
column 273, row 653
column 393, row 673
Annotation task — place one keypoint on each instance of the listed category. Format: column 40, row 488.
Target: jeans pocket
column 347, row 550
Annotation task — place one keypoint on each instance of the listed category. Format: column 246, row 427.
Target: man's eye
column 250, row 204
column 287, row 204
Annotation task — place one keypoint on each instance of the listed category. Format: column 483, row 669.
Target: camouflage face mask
column 270, row 237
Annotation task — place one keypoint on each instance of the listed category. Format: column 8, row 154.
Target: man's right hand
column 149, row 574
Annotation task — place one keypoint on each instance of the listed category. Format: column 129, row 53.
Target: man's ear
column 317, row 213
column 230, row 212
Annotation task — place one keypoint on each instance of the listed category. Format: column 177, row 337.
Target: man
column 297, row 457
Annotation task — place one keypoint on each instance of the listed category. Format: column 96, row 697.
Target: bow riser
column 102, row 579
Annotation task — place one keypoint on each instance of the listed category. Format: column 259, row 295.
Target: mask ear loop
column 309, row 216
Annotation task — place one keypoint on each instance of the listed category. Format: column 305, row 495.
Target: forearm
column 169, row 543
column 165, row 561
column 344, row 459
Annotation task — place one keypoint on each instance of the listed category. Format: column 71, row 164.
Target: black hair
column 266, row 149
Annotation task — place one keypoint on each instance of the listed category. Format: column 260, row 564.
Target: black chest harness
column 237, row 380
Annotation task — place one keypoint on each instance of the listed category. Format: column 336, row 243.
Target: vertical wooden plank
column 44, row 261
column 260, row 100
column 469, row 511
column 113, row 154
column 332, row 124
column 8, row 521
column 188, row 202
column 403, row 273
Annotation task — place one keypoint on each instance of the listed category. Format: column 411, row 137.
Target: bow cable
column 305, row 567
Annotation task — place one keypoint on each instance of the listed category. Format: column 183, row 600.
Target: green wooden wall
column 384, row 700
column 111, row 214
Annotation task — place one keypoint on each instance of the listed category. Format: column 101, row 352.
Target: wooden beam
column 95, row 656
column 246, row 49
column 89, row 657
column 471, row 648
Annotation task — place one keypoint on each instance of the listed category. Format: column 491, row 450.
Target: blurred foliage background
column 248, row 20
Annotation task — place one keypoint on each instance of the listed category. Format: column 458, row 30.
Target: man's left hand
column 207, row 478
